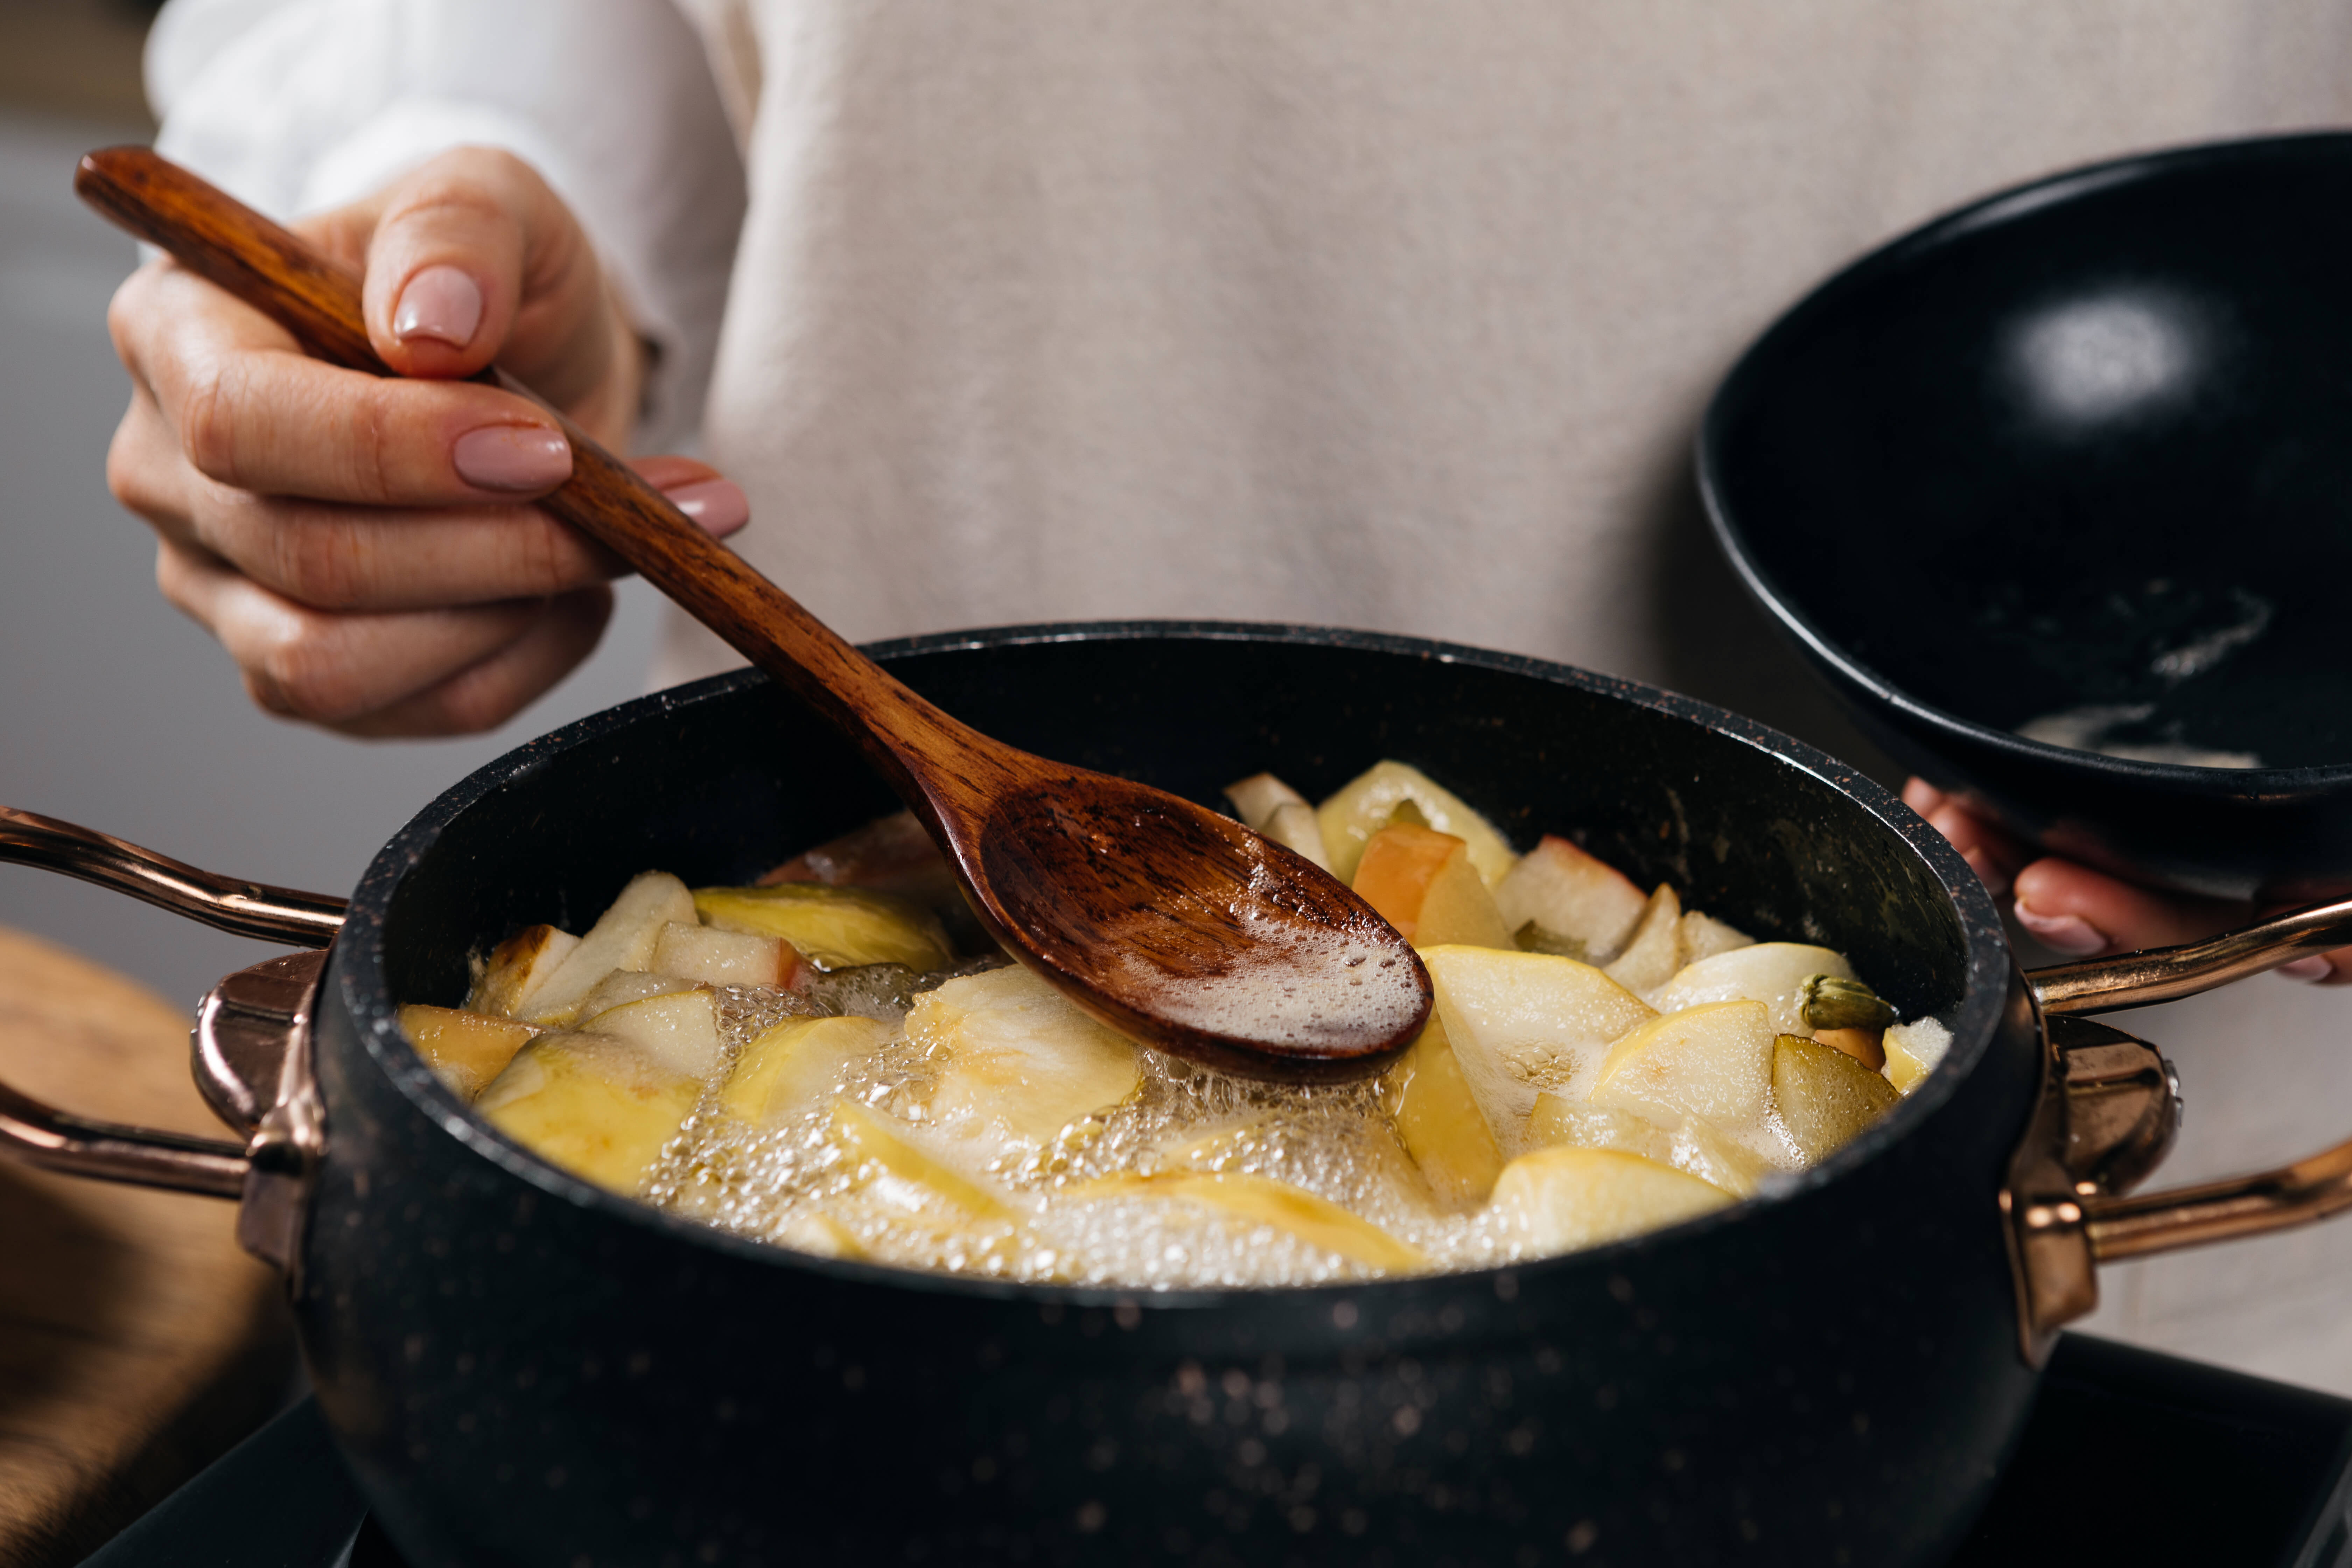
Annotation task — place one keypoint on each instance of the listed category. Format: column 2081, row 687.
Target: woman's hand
column 365, row 548
column 2078, row 911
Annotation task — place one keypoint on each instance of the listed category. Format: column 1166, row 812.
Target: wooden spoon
column 1166, row 920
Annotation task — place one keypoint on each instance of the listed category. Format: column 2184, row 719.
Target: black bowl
column 2081, row 449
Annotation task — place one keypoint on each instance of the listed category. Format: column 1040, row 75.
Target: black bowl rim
column 358, row 968
column 2016, row 205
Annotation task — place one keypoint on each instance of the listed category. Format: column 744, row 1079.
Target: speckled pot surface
column 523, row 1370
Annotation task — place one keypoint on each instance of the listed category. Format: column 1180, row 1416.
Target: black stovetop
column 2130, row 1458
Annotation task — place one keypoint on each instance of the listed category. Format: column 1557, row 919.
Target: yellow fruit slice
column 1771, row 972
column 1264, row 1201
column 679, row 1029
column 598, row 1107
column 1689, row 1144
column 518, row 967
column 1714, row 1061
column 1824, row 1096
column 1913, row 1050
column 832, row 928
column 1522, row 1022
column 466, row 1049
column 1015, row 1054
column 1422, row 883
column 1363, row 806
column 1560, row 1200
column 905, row 1174
column 1653, row 951
column 1440, row 1124
column 798, row 1065
column 623, row 938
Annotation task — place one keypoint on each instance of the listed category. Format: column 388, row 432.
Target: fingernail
column 441, row 303
column 513, row 457
column 1996, row 880
column 2064, row 933
column 2314, row 967
column 718, row 505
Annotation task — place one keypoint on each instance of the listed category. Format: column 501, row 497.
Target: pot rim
column 2018, row 204
column 357, row 967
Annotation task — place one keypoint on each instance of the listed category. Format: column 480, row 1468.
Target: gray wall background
column 115, row 711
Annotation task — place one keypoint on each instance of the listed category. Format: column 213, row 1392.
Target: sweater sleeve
column 299, row 105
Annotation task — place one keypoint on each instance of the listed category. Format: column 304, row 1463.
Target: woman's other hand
column 366, row 548
column 2075, row 911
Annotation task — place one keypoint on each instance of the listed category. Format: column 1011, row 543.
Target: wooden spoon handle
column 317, row 300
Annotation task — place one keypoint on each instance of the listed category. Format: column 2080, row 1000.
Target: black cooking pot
column 2079, row 452
column 523, row 1369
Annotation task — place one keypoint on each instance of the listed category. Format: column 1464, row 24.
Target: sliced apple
column 518, row 967
column 893, row 1168
column 622, row 938
column 599, row 1108
column 798, row 1065
column 1654, row 950
column 1294, row 825
column 1522, row 1022
column 466, row 1049
column 1771, row 972
column 1913, row 1050
column 1363, row 807
column 726, row 957
column 1256, row 797
column 681, row 1030
column 1440, row 1124
column 1689, row 1144
column 832, row 928
column 1562, row 1199
column 626, row 985
column 1262, row 1200
column 1016, row 1055
column 1824, row 1096
column 1570, row 894
column 1422, row 883
column 1703, row 936
column 1714, row 1061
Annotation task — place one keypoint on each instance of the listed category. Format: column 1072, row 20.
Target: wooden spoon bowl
column 1166, row 920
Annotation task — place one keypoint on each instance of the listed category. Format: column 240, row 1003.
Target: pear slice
column 893, row 1168
column 798, row 1065
column 1562, row 1199
column 1689, row 1144
column 719, row 957
column 466, row 1049
column 1913, row 1050
column 1522, row 1022
column 1422, row 883
column 518, row 967
column 1261, row 1200
column 1772, row 972
column 832, row 927
column 599, row 1108
column 1363, row 806
column 626, row 985
column 1017, row 1055
column 681, row 1030
column 1703, row 936
column 1824, row 1096
column 1257, row 797
column 1654, row 950
column 815, row 1232
column 1438, row 1120
column 1714, row 1061
column 622, row 938
column 1571, row 894
column 1294, row 826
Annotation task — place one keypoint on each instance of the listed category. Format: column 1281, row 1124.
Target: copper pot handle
column 234, row 1024
column 2064, row 1217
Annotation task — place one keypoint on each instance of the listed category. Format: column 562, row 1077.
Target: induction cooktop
column 2130, row 1456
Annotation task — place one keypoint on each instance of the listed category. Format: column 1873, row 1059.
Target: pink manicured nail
column 441, row 303
column 2314, row 967
column 2065, row 934
column 513, row 457
column 718, row 505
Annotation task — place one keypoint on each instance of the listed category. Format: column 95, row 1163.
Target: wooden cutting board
column 137, row 1340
